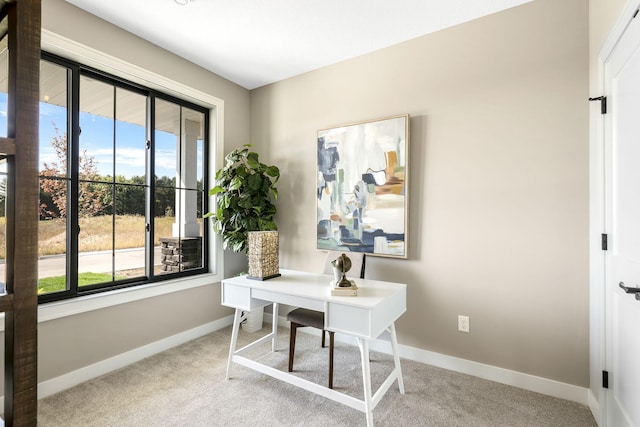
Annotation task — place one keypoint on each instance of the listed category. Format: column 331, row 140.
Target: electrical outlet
column 463, row 323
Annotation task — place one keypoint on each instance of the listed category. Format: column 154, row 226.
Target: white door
column 622, row 259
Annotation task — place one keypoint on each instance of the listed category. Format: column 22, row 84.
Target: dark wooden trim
column 7, row 147
column 6, row 302
column 21, row 323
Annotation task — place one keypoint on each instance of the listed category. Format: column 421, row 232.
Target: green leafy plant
column 246, row 192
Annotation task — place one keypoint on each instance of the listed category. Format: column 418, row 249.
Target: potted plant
column 246, row 192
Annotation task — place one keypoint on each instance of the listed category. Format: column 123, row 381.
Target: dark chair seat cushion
column 305, row 317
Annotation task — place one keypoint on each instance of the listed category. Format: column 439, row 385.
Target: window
column 122, row 196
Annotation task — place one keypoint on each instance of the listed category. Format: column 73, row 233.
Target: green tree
column 53, row 183
column 129, row 196
column 165, row 196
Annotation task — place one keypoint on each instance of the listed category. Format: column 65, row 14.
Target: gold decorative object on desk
column 263, row 255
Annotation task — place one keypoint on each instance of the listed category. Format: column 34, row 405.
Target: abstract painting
column 362, row 187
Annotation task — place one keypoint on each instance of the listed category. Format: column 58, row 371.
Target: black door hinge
column 605, row 379
column 603, row 103
column 604, row 238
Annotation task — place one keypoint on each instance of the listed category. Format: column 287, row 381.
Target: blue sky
column 97, row 139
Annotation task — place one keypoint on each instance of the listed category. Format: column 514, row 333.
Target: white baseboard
column 497, row 374
column 492, row 373
column 63, row 382
column 481, row 370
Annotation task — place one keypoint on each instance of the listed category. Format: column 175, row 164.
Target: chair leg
column 323, row 346
column 330, row 359
column 292, row 344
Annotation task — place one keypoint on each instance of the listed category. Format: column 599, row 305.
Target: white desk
column 366, row 316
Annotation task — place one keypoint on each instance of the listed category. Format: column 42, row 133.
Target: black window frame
column 76, row 70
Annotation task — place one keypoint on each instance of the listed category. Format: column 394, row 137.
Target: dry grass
column 96, row 233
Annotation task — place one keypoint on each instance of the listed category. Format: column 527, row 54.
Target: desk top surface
column 317, row 286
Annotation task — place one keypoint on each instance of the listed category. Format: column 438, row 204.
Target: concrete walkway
column 95, row 262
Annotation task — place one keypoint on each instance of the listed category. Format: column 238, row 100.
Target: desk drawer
column 240, row 297
column 349, row 319
column 293, row 300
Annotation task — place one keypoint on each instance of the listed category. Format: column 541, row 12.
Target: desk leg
column 366, row 379
column 274, row 326
column 234, row 339
column 396, row 356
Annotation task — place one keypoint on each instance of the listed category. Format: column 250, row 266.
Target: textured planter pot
column 263, row 255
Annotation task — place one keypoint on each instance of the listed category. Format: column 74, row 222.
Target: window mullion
column 150, row 193
column 73, row 144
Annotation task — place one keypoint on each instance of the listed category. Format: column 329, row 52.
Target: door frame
column 597, row 225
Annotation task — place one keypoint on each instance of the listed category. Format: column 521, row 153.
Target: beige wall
column 499, row 180
column 70, row 343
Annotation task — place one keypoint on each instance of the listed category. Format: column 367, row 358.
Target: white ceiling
column 257, row 42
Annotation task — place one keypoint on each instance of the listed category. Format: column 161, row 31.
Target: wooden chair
column 302, row 317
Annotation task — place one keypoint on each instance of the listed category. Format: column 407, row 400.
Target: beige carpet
column 185, row 386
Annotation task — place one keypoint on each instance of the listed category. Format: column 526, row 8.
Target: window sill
column 73, row 306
